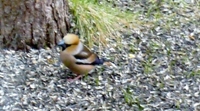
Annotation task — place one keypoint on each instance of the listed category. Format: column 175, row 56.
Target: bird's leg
column 74, row 79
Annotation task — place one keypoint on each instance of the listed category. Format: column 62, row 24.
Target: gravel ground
column 157, row 68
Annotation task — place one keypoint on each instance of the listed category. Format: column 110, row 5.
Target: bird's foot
column 74, row 79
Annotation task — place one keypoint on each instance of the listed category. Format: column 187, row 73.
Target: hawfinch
column 77, row 57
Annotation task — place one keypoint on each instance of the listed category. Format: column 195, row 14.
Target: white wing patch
column 83, row 60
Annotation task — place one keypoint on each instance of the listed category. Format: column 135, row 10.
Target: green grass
column 97, row 22
column 128, row 97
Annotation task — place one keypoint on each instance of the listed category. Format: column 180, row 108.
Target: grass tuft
column 96, row 22
column 128, row 97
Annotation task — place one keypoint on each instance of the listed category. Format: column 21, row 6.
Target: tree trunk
column 33, row 23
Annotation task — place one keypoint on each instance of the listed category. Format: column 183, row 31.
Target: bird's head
column 69, row 40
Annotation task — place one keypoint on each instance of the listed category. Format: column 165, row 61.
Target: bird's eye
column 64, row 46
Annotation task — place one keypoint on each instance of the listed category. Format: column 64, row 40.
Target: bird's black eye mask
column 64, row 46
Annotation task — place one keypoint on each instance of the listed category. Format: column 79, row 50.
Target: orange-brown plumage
column 77, row 57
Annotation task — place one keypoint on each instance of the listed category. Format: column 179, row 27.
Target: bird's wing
column 85, row 56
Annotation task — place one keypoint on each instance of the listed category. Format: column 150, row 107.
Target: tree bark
column 33, row 23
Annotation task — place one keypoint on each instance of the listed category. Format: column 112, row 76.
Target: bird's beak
column 62, row 44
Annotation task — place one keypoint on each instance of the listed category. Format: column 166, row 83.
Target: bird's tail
column 98, row 61
column 103, row 61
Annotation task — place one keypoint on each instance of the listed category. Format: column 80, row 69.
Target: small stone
column 32, row 86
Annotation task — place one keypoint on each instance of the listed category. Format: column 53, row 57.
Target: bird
column 77, row 57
